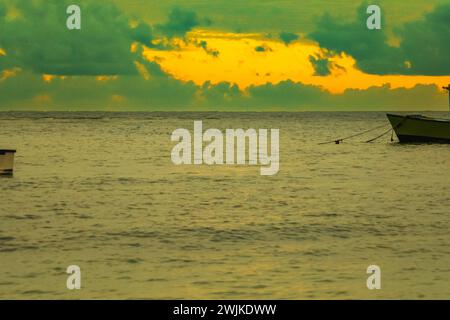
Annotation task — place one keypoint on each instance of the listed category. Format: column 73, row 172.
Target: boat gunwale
column 418, row 117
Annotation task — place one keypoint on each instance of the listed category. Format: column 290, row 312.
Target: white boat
column 6, row 162
column 418, row 128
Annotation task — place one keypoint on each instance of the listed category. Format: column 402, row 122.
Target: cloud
column 290, row 96
column 2, row 10
column 36, row 42
column 425, row 43
column 204, row 45
column 38, row 39
column 368, row 47
column 142, row 33
column 288, row 37
column 160, row 92
column 424, row 47
column 263, row 48
column 180, row 21
column 126, row 92
column 321, row 66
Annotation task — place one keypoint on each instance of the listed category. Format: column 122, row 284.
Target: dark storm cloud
column 424, row 46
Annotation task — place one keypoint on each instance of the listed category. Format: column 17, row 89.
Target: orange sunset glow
column 238, row 62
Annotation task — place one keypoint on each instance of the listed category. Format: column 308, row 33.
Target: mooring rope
column 338, row 141
column 353, row 136
column 386, row 132
column 381, row 135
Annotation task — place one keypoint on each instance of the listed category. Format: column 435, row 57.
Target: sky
column 224, row 55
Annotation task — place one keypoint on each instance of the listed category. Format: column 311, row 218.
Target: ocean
column 99, row 190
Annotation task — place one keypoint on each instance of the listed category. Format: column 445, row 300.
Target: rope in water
column 391, row 130
column 382, row 135
column 354, row 135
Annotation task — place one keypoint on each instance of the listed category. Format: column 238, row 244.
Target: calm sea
column 99, row 190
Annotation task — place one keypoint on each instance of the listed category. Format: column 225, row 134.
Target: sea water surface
column 99, row 190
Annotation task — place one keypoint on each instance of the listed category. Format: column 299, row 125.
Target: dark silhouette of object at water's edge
column 7, row 162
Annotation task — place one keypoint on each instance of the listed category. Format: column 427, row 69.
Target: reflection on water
column 99, row 190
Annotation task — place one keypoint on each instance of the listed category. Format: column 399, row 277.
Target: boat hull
column 420, row 129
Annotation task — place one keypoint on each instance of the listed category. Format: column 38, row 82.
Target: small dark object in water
column 6, row 162
column 338, row 141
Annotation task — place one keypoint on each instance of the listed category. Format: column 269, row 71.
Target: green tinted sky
column 275, row 15
column 35, row 42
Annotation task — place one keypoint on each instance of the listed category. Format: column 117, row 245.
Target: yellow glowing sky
column 238, row 62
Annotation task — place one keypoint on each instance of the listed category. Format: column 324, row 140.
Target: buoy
column 6, row 162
